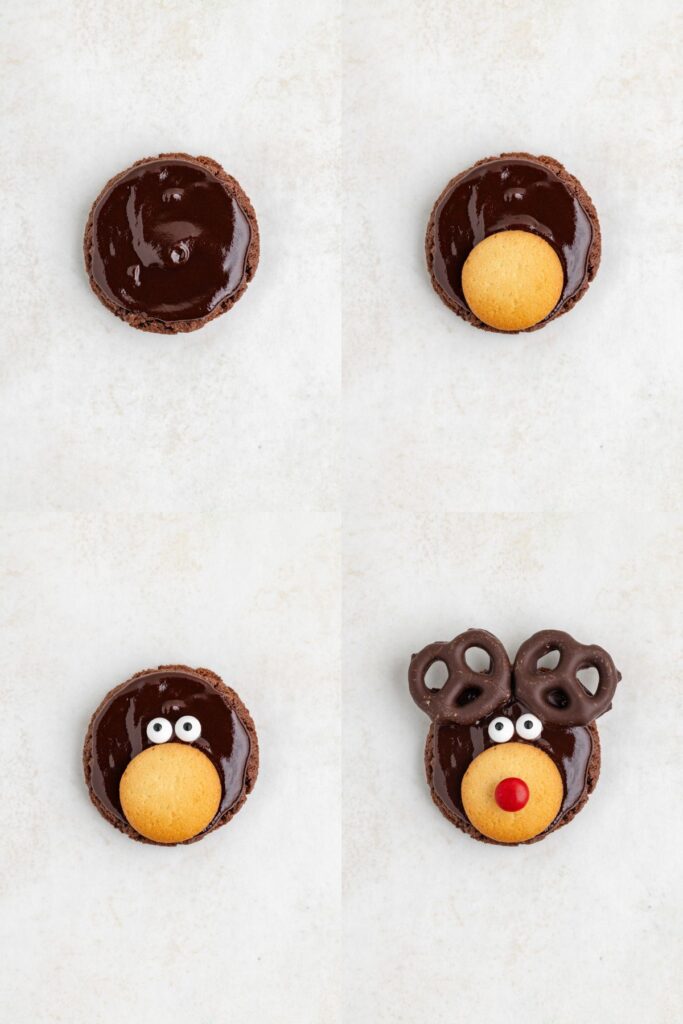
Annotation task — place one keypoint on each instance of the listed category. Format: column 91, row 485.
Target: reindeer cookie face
column 170, row 755
column 512, row 753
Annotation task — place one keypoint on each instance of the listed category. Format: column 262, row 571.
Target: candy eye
column 501, row 730
column 529, row 727
column 159, row 730
column 188, row 728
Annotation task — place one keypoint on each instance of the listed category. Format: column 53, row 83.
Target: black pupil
column 187, row 726
column 528, row 724
column 499, row 726
column 157, row 727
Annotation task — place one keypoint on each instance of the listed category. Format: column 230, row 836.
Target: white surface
column 514, row 484
column 169, row 499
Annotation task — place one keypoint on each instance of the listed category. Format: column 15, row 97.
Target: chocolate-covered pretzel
column 466, row 695
column 557, row 695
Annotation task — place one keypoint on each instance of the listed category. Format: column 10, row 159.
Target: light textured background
column 512, row 483
column 177, row 499
column 169, row 500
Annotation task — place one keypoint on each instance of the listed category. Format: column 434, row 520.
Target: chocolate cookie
column 513, row 287
column 171, row 243
column 170, row 755
column 512, row 753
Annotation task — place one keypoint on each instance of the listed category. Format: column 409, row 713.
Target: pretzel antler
column 466, row 696
column 557, row 695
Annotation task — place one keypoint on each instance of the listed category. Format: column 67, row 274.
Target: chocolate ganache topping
column 170, row 239
column 512, row 192
column 120, row 724
column 456, row 746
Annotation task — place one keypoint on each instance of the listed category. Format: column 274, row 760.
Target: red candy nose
column 512, row 794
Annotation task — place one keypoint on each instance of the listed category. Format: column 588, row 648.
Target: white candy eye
column 501, row 730
column 159, row 730
column 529, row 727
column 188, row 728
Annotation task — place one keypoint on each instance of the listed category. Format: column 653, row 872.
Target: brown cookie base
column 575, row 188
column 154, row 324
column 592, row 775
column 251, row 772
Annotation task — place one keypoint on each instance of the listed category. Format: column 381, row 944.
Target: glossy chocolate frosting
column 169, row 240
column 119, row 732
column 505, row 193
column 456, row 746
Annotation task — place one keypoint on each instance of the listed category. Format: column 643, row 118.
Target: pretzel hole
column 436, row 676
column 468, row 695
column 478, row 659
column 549, row 661
column 557, row 698
column 589, row 678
